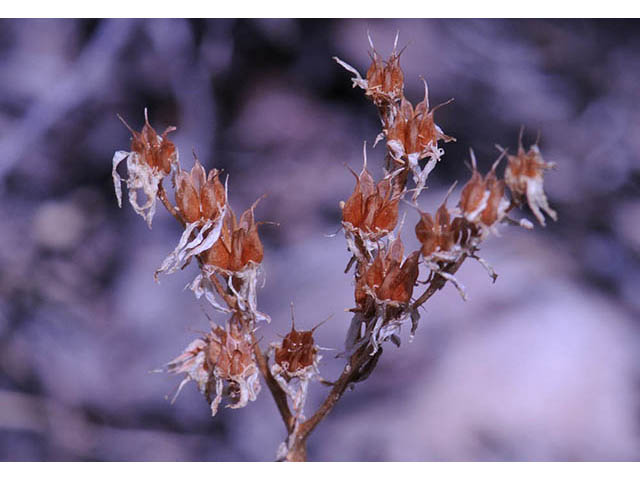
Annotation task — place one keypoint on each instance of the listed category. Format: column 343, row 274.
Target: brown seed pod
column 414, row 130
column 436, row 236
column 388, row 277
column 198, row 196
column 371, row 210
column 157, row 152
column 385, row 79
column 524, row 176
column 239, row 243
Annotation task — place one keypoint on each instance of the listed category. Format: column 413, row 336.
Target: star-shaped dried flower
column 151, row 158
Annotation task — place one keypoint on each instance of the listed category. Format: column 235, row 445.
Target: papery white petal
column 358, row 81
column 216, row 401
column 537, row 199
column 202, row 285
column 118, row 157
column 207, row 235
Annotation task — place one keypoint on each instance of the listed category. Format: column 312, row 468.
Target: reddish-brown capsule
column 414, row 130
column 198, row 196
column 239, row 243
column 371, row 209
column 229, row 351
column 297, row 351
column 389, row 277
column 438, row 235
column 524, row 176
column 385, row 80
column 496, row 203
column 156, row 151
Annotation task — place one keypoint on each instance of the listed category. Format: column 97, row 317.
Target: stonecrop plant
column 228, row 364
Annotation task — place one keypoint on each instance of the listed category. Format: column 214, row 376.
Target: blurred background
column 541, row 365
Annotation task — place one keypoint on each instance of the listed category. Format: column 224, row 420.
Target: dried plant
column 227, row 362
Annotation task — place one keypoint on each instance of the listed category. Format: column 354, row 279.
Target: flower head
column 435, row 235
column 199, row 197
column 224, row 356
column 390, row 278
column 372, row 210
column 414, row 131
column 151, row 158
column 385, row 79
column 239, row 244
column 384, row 82
column 202, row 203
column 524, row 176
column 297, row 352
column 482, row 199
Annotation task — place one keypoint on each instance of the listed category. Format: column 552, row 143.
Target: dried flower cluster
column 226, row 362
column 221, row 363
column 152, row 157
column 385, row 278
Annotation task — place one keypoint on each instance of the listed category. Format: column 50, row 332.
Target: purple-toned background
column 542, row 365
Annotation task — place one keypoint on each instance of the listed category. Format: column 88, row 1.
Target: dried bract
column 151, row 158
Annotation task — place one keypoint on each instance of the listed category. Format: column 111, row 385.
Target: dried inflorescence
column 384, row 83
column 438, row 236
column 239, row 244
column 295, row 365
column 390, row 278
column 296, row 353
column 482, row 200
column 383, row 293
column 151, row 158
column 200, row 197
column 385, row 79
column 225, row 363
column 524, row 177
column 223, row 358
column 414, row 134
column 202, row 202
column 236, row 256
column 371, row 211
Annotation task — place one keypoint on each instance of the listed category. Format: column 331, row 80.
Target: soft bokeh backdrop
column 541, row 365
